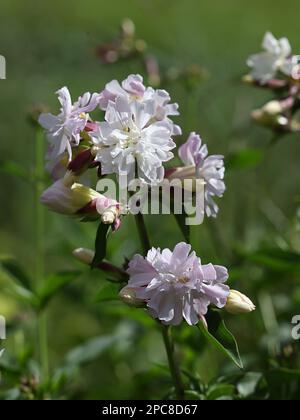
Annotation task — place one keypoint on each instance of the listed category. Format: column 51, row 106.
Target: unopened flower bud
column 237, row 303
column 68, row 200
column 248, row 79
column 109, row 216
column 128, row 296
column 273, row 108
column 275, row 121
column 69, row 179
column 84, row 255
column 109, row 210
column 81, row 162
column 185, row 172
column 128, row 28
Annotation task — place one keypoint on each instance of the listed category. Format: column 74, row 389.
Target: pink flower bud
column 68, row 200
column 81, row 162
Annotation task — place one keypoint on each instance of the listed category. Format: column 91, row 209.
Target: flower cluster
column 135, row 139
column 278, row 70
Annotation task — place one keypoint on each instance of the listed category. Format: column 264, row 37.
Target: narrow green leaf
column 244, row 159
column 23, row 295
column 101, row 244
column 218, row 335
column 276, row 260
column 90, row 351
column 13, row 168
column 109, row 292
column 284, row 375
column 249, row 383
column 53, row 284
column 185, row 229
column 12, row 267
column 218, row 391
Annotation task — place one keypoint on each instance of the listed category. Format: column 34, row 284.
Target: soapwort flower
column 129, row 139
column 199, row 165
column 277, row 57
column 175, row 285
column 133, row 90
column 64, row 130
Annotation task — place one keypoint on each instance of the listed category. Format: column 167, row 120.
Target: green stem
column 40, row 250
column 174, row 366
column 166, row 331
column 144, row 238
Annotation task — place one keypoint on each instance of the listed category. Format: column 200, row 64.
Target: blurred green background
column 51, row 44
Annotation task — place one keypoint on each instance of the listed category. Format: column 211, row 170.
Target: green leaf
column 191, row 395
column 23, row 295
column 185, row 229
column 249, row 383
column 218, row 335
column 284, row 375
column 244, row 159
column 101, row 244
column 109, row 292
column 121, row 339
column 13, row 168
column 218, row 391
column 12, row 267
column 90, row 351
column 277, row 260
column 53, row 284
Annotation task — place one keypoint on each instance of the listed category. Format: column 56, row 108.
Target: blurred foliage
column 98, row 347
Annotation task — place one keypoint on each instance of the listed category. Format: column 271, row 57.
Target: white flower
column 129, row 139
column 175, row 285
column 209, row 169
column 63, row 130
column 276, row 57
column 133, row 89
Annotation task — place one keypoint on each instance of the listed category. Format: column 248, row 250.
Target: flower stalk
column 40, row 251
column 166, row 331
column 174, row 367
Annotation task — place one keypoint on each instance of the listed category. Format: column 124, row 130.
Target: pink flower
column 64, row 130
column 175, row 285
column 133, row 90
column 199, row 165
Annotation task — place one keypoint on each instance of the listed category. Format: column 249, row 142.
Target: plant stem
column 174, row 367
column 144, row 238
column 166, row 331
column 40, row 250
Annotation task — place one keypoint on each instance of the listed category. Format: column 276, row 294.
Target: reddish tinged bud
column 276, row 84
column 89, row 209
column 117, row 224
column 169, row 172
column 91, row 126
column 81, row 162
